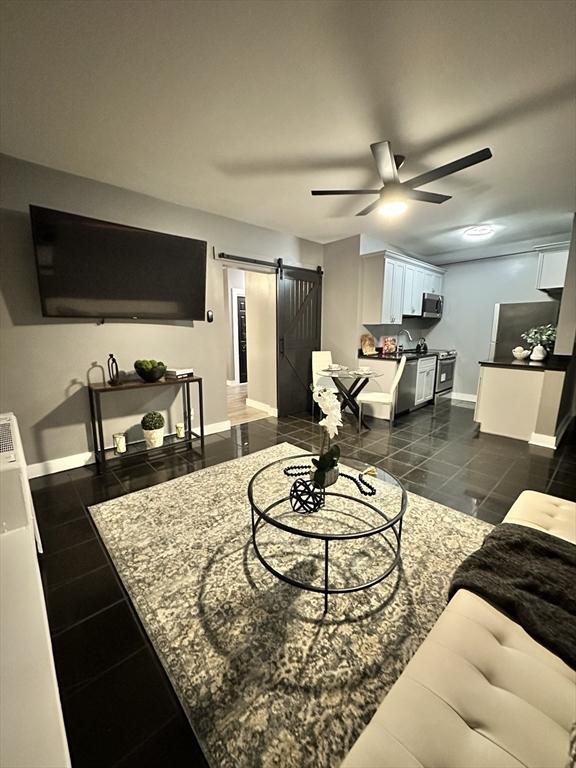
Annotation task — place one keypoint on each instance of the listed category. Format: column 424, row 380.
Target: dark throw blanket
column 531, row 577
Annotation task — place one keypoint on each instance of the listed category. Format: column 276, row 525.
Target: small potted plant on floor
column 153, row 428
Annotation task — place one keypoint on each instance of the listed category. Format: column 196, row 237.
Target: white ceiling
column 242, row 107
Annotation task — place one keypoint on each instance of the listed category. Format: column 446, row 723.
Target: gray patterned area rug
column 265, row 678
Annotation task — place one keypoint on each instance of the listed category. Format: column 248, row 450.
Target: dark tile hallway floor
column 119, row 708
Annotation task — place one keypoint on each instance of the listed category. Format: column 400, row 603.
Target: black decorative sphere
column 305, row 496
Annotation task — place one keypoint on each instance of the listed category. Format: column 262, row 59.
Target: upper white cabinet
column 552, row 270
column 393, row 287
column 413, row 290
column 433, row 282
column 382, row 291
column 393, row 291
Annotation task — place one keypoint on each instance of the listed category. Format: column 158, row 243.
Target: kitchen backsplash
column 417, row 326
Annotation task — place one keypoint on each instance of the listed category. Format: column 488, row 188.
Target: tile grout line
column 59, row 632
column 76, row 578
column 69, row 693
column 148, row 738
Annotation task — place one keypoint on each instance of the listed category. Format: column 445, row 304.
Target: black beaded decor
column 306, row 497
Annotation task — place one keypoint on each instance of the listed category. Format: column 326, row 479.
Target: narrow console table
column 95, row 392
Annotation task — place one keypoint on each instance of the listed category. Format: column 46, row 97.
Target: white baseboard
column 262, row 407
column 463, row 396
column 545, row 441
column 63, row 463
column 60, row 465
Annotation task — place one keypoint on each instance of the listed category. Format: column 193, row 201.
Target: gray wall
column 341, row 288
column 45, row 362
column 566, row 338
column 471, row 289
column 567, row 318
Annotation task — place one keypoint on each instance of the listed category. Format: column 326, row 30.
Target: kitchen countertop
column 411, row 354
column 550, row 363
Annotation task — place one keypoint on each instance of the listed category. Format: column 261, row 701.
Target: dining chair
column 320, row 361
column 382, row 398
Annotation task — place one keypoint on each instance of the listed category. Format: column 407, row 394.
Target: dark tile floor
column 119, row 708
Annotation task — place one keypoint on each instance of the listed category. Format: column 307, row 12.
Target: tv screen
column 92, row 268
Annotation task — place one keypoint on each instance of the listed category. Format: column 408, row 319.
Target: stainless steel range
column 445, row 370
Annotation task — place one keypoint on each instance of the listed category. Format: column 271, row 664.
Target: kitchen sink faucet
column 403, row 330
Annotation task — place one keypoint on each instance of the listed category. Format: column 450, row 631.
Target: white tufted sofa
column 479, row 692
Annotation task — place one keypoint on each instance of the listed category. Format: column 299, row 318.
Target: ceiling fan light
column 391, row 208
column 479, row 232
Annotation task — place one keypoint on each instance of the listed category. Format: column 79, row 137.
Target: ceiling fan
column 392, row 196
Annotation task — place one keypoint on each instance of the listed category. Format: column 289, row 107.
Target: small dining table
column 349, row 394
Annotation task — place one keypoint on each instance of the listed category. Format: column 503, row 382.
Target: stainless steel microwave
column 432, row 305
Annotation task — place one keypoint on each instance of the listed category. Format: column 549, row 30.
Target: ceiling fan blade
column 369, row 208
column 426, row 197
column 345, row 192
column 385, row 162
column 446, row 170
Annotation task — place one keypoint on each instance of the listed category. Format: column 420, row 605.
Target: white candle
column 180, row 429
column 119, row 442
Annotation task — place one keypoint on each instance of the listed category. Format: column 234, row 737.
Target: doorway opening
column 273, row 327
column 251, row 345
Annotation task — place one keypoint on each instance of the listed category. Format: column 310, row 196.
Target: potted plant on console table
column 153, row 428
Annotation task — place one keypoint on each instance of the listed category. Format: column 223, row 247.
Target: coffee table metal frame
column 262, row 516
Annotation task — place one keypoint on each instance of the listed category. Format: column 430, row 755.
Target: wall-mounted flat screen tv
column 92, row 268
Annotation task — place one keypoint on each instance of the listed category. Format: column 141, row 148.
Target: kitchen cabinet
column 425, row 379
column 382, row 291
column 392, row 287
column 413, row 290
column 552, row 270
column 393, row 292
column 432, row 282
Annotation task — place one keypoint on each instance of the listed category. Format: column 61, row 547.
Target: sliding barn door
column 299, row 312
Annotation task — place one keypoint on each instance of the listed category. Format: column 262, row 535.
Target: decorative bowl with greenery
column 150, row 370
column 153, row 427
column 543, row 335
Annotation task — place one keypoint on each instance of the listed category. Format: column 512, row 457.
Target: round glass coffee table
column 351, row 543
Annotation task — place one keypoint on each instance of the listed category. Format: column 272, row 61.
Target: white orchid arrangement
column 330, row 407
column 329, row 455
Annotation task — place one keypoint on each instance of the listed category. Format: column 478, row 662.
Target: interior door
column 298, row 314
column 242, row 349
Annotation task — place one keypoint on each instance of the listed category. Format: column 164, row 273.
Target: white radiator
column 16, row 508
column 32, row 731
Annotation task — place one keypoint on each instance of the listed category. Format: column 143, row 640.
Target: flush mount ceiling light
column 479, row 232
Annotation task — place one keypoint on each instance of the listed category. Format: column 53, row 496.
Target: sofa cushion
column 545, row 513
column 478, row 693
